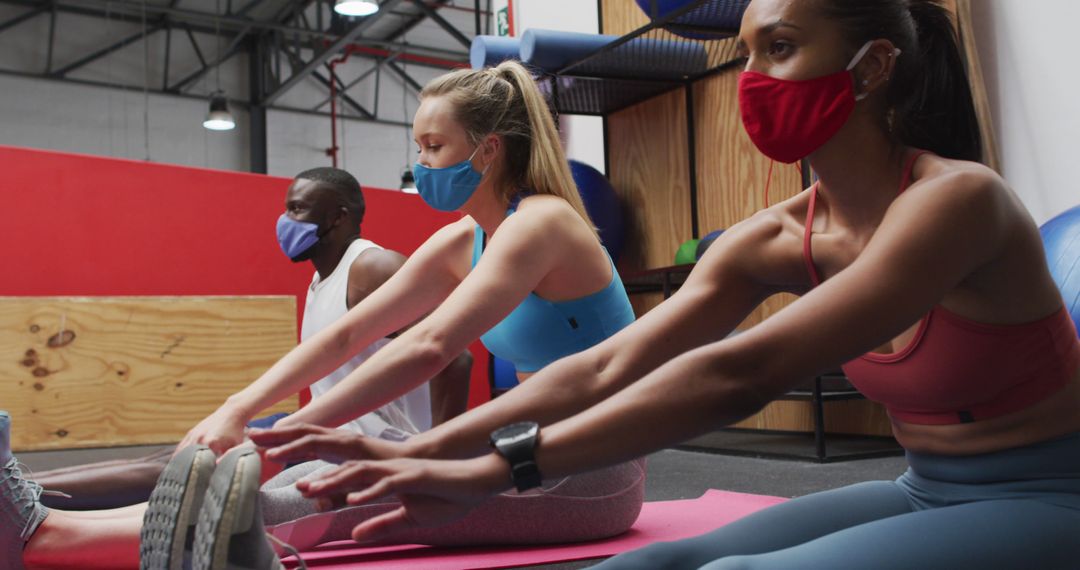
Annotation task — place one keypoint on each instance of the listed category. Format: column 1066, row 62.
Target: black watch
column 516, row 443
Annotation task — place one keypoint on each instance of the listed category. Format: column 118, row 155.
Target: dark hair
column 341, row 183
column 929, row 95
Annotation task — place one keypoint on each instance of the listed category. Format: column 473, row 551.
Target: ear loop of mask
column 768, row 177
column 858, row 57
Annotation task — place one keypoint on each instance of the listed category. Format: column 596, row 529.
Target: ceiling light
column 356, row 7
column 219, row 118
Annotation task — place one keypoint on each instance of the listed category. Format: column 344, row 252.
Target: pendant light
column 356, row 7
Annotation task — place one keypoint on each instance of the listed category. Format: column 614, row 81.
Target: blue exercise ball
column 706, row 241
column 1061, row 240
column 711, row 20
column 602, row 204
column 505, row 375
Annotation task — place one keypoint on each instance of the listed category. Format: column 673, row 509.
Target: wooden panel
column 106, row 371
column 647, row 150
column 859, row 417
column 620, row 17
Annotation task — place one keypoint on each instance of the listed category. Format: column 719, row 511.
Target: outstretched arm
column 738, row 271
column 510, row 269
column 422, row 282
column 923, row 249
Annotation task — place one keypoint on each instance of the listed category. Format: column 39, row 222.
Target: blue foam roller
column 492, row 50
column 1061, row 239
column 552, row 50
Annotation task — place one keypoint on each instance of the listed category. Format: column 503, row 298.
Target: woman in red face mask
column 919, row 272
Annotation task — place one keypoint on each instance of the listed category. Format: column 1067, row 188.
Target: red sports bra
column 956, row 370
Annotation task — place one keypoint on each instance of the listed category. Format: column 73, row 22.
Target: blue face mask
column 297, row 239
column 447, row 189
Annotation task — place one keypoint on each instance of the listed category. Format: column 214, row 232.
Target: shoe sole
column 172, row 507
column 228, row 509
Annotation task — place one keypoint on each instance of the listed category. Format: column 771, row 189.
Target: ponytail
column 548, row 171
column 505, row 101
column 929, row 97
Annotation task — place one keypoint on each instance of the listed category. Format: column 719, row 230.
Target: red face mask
column 788, row 120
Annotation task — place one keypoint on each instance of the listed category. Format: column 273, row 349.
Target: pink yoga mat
column 662, row 520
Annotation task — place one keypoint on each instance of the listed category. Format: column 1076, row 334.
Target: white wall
column 582, row 136
column 68, row 117
column 1026, row 52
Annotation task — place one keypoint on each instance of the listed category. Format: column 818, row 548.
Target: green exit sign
column 502, row 18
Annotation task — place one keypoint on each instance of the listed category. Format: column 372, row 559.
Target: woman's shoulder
column 960, row 179
column 957, row 197
column 544, row 210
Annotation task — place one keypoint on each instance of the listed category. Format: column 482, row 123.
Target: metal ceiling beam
column 408, row 79
column 363, row 76
column 348, row 100
column 295, row 59
column 195, row 45
column 82, row 9
column 107, row 50
column 52, row 37
column 184, row 84
column 443, row 23
column 23, row 17
column 336, row 47
column 188, row 19
column 233, row 103
column 414, row 22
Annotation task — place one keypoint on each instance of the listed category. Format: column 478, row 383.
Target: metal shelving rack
column 651, row 61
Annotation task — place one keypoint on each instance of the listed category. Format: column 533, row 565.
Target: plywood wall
column 108, row 371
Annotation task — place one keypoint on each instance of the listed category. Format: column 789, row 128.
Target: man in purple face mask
column 324, row 208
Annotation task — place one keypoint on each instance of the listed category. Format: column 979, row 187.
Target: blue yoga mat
column 552, row 50
column 493, row 50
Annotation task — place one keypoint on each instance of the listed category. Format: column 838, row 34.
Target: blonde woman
column 524, row 270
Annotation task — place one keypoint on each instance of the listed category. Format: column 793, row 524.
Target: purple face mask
column 297, row 239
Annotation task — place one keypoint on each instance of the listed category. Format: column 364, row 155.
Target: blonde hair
column 505, row 101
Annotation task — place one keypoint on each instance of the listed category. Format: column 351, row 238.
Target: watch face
column 514, row 433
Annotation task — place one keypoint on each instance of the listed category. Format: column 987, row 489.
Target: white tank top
column 327, row 302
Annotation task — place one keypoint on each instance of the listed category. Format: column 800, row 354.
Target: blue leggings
column 1018, row 508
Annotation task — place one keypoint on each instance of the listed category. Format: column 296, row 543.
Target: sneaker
column 230, row 534
column 168, row 528
column 21, row 512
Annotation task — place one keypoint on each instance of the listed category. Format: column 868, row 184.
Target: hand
column 432, row 492
column 305, row 442
column 220, row 431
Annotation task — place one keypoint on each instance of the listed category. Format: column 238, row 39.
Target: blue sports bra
column 538, row 332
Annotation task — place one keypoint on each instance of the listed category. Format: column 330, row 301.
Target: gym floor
column 672, row 474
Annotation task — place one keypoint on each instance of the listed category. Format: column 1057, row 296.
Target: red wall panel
column 81, row 225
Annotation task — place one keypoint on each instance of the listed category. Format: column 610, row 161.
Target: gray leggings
column 1018, row 508
column 590, row 506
